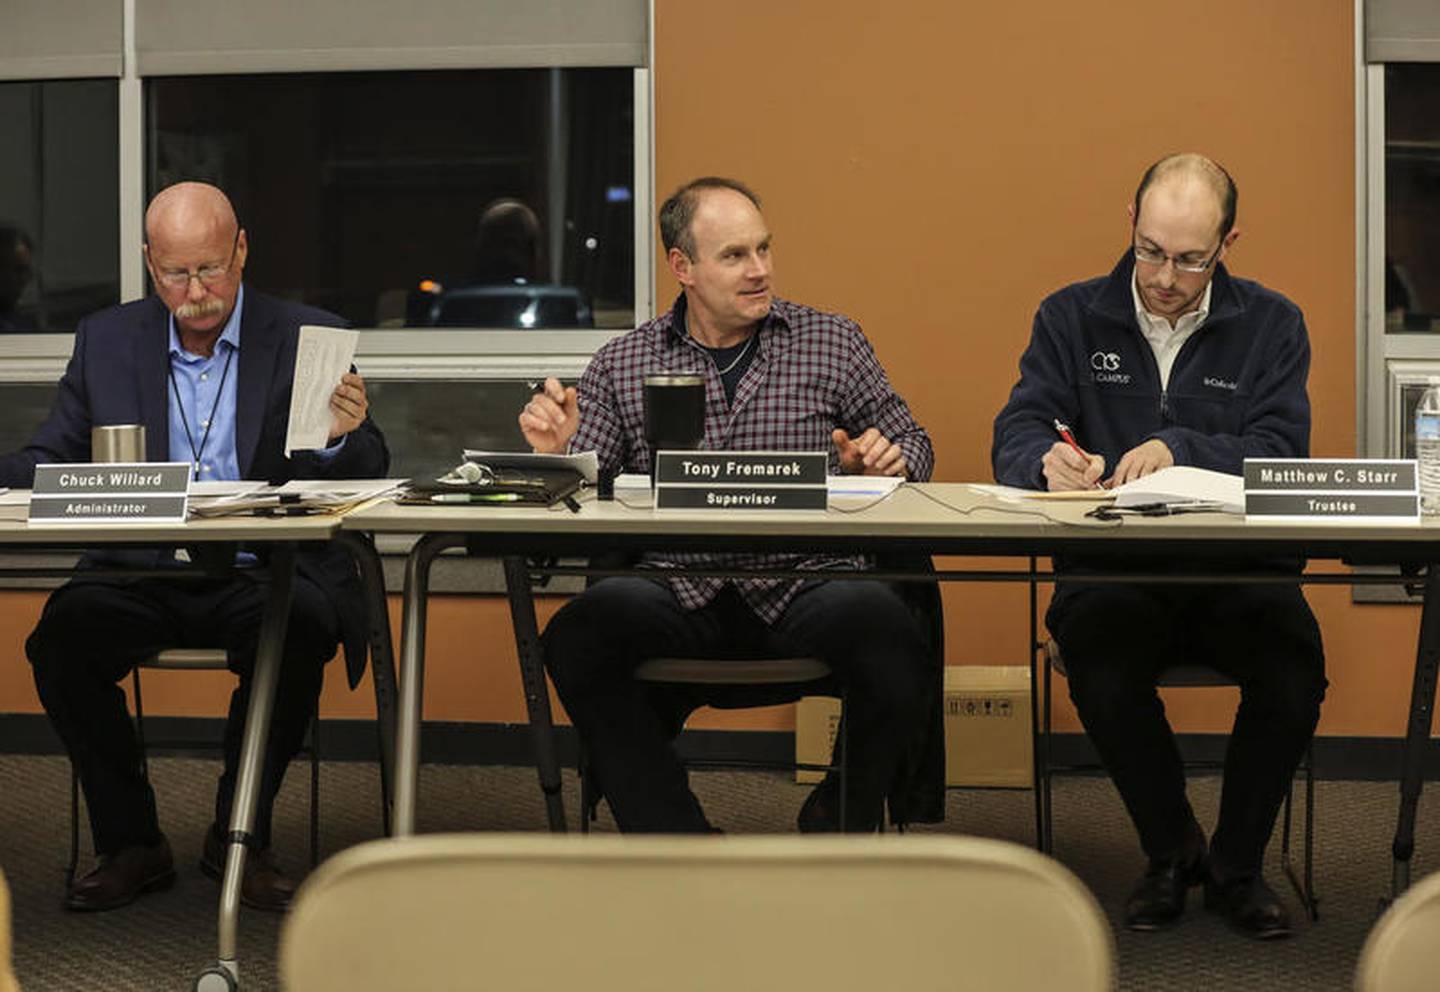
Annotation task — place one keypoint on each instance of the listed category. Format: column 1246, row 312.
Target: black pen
column 1170, row 509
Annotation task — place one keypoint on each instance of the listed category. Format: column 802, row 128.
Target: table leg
column 268, row 657
column 1417, row 733
column 1039, row 743
column 412, row 676
column 537, row 697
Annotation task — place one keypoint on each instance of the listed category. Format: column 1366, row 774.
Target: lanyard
column 184, row 422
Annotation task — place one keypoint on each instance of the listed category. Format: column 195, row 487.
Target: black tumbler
column 674, row 413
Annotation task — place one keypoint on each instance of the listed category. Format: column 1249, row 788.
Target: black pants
column 94, row 631
column 861, row 628
column 1117, row 638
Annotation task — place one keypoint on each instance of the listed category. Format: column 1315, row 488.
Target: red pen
column 1063, row 429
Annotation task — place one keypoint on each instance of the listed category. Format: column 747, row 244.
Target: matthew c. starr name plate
column 1349, row 490
column 740, row 480
column 142, row 492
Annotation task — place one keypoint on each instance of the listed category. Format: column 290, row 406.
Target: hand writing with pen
column 1068, row 466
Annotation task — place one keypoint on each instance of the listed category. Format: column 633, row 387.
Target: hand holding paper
column 348, row 406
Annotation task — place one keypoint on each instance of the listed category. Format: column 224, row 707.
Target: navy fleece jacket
column 1236, row 390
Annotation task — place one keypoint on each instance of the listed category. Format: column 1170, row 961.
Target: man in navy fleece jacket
column 1169, row 360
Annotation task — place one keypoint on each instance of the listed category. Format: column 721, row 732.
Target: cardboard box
column 817, row 718
column 987, row 728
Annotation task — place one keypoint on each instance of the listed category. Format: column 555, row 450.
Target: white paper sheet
column 848, row 492
column 323, row 355
column 1185, row 484
column 1006, row 494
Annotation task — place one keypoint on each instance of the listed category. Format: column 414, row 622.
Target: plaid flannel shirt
column 811, row 373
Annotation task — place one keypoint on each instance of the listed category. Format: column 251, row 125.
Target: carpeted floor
column 164, row 939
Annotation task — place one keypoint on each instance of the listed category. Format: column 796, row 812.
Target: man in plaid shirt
column 780, row 376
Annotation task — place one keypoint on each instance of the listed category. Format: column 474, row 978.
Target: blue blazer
column 118, row 374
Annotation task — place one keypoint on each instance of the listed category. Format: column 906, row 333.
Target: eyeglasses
column 1183, row 263
column 209, row 275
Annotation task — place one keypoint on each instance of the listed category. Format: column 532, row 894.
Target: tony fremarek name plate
column 141, row 492
column 740, row 480
column 1349, row 490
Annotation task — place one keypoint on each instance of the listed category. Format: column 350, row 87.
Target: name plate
column 740, row 480
column 138, row 492
column 1346, row 490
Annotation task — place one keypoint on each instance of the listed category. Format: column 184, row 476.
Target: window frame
column 388, row 354
column 1385, row 362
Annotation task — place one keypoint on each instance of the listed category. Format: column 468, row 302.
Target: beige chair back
column 1402, row 953
column 7, row 974
column 539, row 912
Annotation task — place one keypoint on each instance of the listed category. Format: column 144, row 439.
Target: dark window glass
column 59, row 202
column 428, row 423
column 1412, row 197
column 498, row 198
column 26, row 406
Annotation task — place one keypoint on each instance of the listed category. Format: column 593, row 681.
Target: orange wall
column 933, row 169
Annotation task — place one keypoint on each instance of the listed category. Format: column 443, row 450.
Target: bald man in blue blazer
column 206, row 365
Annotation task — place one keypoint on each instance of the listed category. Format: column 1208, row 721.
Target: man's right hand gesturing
column 551, row 417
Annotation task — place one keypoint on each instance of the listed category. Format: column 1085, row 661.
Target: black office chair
column 1179, row 676
column 683, row 685
column 192, row 660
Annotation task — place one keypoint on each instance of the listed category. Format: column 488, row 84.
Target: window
column 1412, row 198
column 499, row 198
column 59, row 203
column 469, row 183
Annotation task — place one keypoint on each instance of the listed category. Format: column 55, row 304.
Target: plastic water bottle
column 1427, row 448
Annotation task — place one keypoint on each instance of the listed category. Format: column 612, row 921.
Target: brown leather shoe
column 263, row 886
column 122, row 877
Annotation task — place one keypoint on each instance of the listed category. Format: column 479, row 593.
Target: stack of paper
column 1183, row 484
column 307, row 495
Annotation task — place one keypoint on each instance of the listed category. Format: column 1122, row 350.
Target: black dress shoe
column 1159, row 900
column 1251, row 906
column 122, row 877
column 262, row 886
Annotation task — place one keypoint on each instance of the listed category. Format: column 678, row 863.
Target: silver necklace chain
column 736, row 360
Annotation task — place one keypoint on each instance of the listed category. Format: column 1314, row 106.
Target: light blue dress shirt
column 202, row 396
column 201, row 387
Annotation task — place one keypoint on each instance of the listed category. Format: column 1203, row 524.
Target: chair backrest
column 7, row 976
column 708, row 914
column 1401, row 954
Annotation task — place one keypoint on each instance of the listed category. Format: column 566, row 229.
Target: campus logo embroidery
column 1106, row 366
column 1218, row 383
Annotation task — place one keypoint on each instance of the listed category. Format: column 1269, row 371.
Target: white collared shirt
column 1166, row 341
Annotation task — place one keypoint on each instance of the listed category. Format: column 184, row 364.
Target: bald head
column 189, row 211
column 196, row 253
column 1193, row 179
